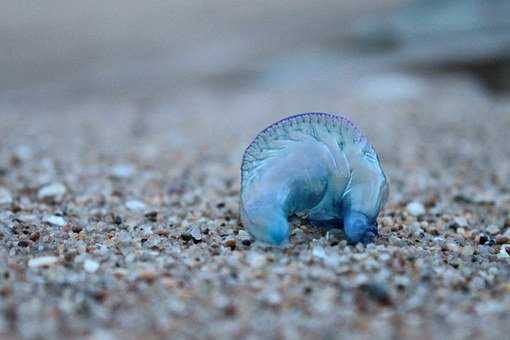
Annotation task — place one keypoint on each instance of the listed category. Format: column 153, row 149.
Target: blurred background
column 258, row 58
column 116, row 48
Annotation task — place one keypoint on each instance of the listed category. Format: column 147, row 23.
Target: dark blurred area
column 134, row 48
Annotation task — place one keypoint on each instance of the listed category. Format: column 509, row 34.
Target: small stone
column 402, row 282
column 43, row 261
column 186, row 236
column 161, row 232
column 5, row 197
column 483, row 239
column 272, row 297
column 502, row 239
column 125, row 237
column 415, row 209
column 117, row 220
column 504, row 252
column 243, row 234
column 298, row 234
column 396, row 241
column 460, row 222
column 335, row 234
column 52, row 193
column 35, row 236
column 230, row 310
column 152, row 216
column 195, row 233
column 452, row 247
column 148, row 276
column 55, row 220
column 493, row 229
column 122, row 171
column 230, row 243
column 318, row 251
column 135, row 205
column 433, row 230
column 24, row 243
column 467, row 251
column 377, row 292
column 245, row 238
column 387, row 221
column 153, row 242
column 90, row 266
column 76, row 228
column 255, row 259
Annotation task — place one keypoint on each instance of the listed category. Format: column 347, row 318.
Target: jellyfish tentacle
column 267, row 221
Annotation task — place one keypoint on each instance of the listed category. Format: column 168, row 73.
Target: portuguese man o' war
column 316, row 164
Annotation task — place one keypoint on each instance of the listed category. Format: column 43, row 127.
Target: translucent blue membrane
column 317, row 164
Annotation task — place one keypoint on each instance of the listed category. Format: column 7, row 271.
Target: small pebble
column 196, row 233
column 24, row 243
column 186, row 236
column 467, row 251
column 152, row 216
column 452, row 247
column 76, row 228
column 460, row 222
column 90, row 266
column 255, row 259
column 35, row 236
column 377, row 292
column 135, row 205
column 272, row 298
column 243, row 234
column 502, row 239
column 148, row 275
column 117, row 220
column 43, row 261
column 318, row 251
column 335, row 234
column 493, row 229
column 122, row 171
column 387, row 221
column 483, row 239
column 415, row 209
column 230, row 243
column 396, row 241
column 504, row 252
column 244, row 237
column 161, row 232
column 55, row 220
column 52, row 193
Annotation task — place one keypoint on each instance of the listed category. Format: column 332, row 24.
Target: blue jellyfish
column 317, row 164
